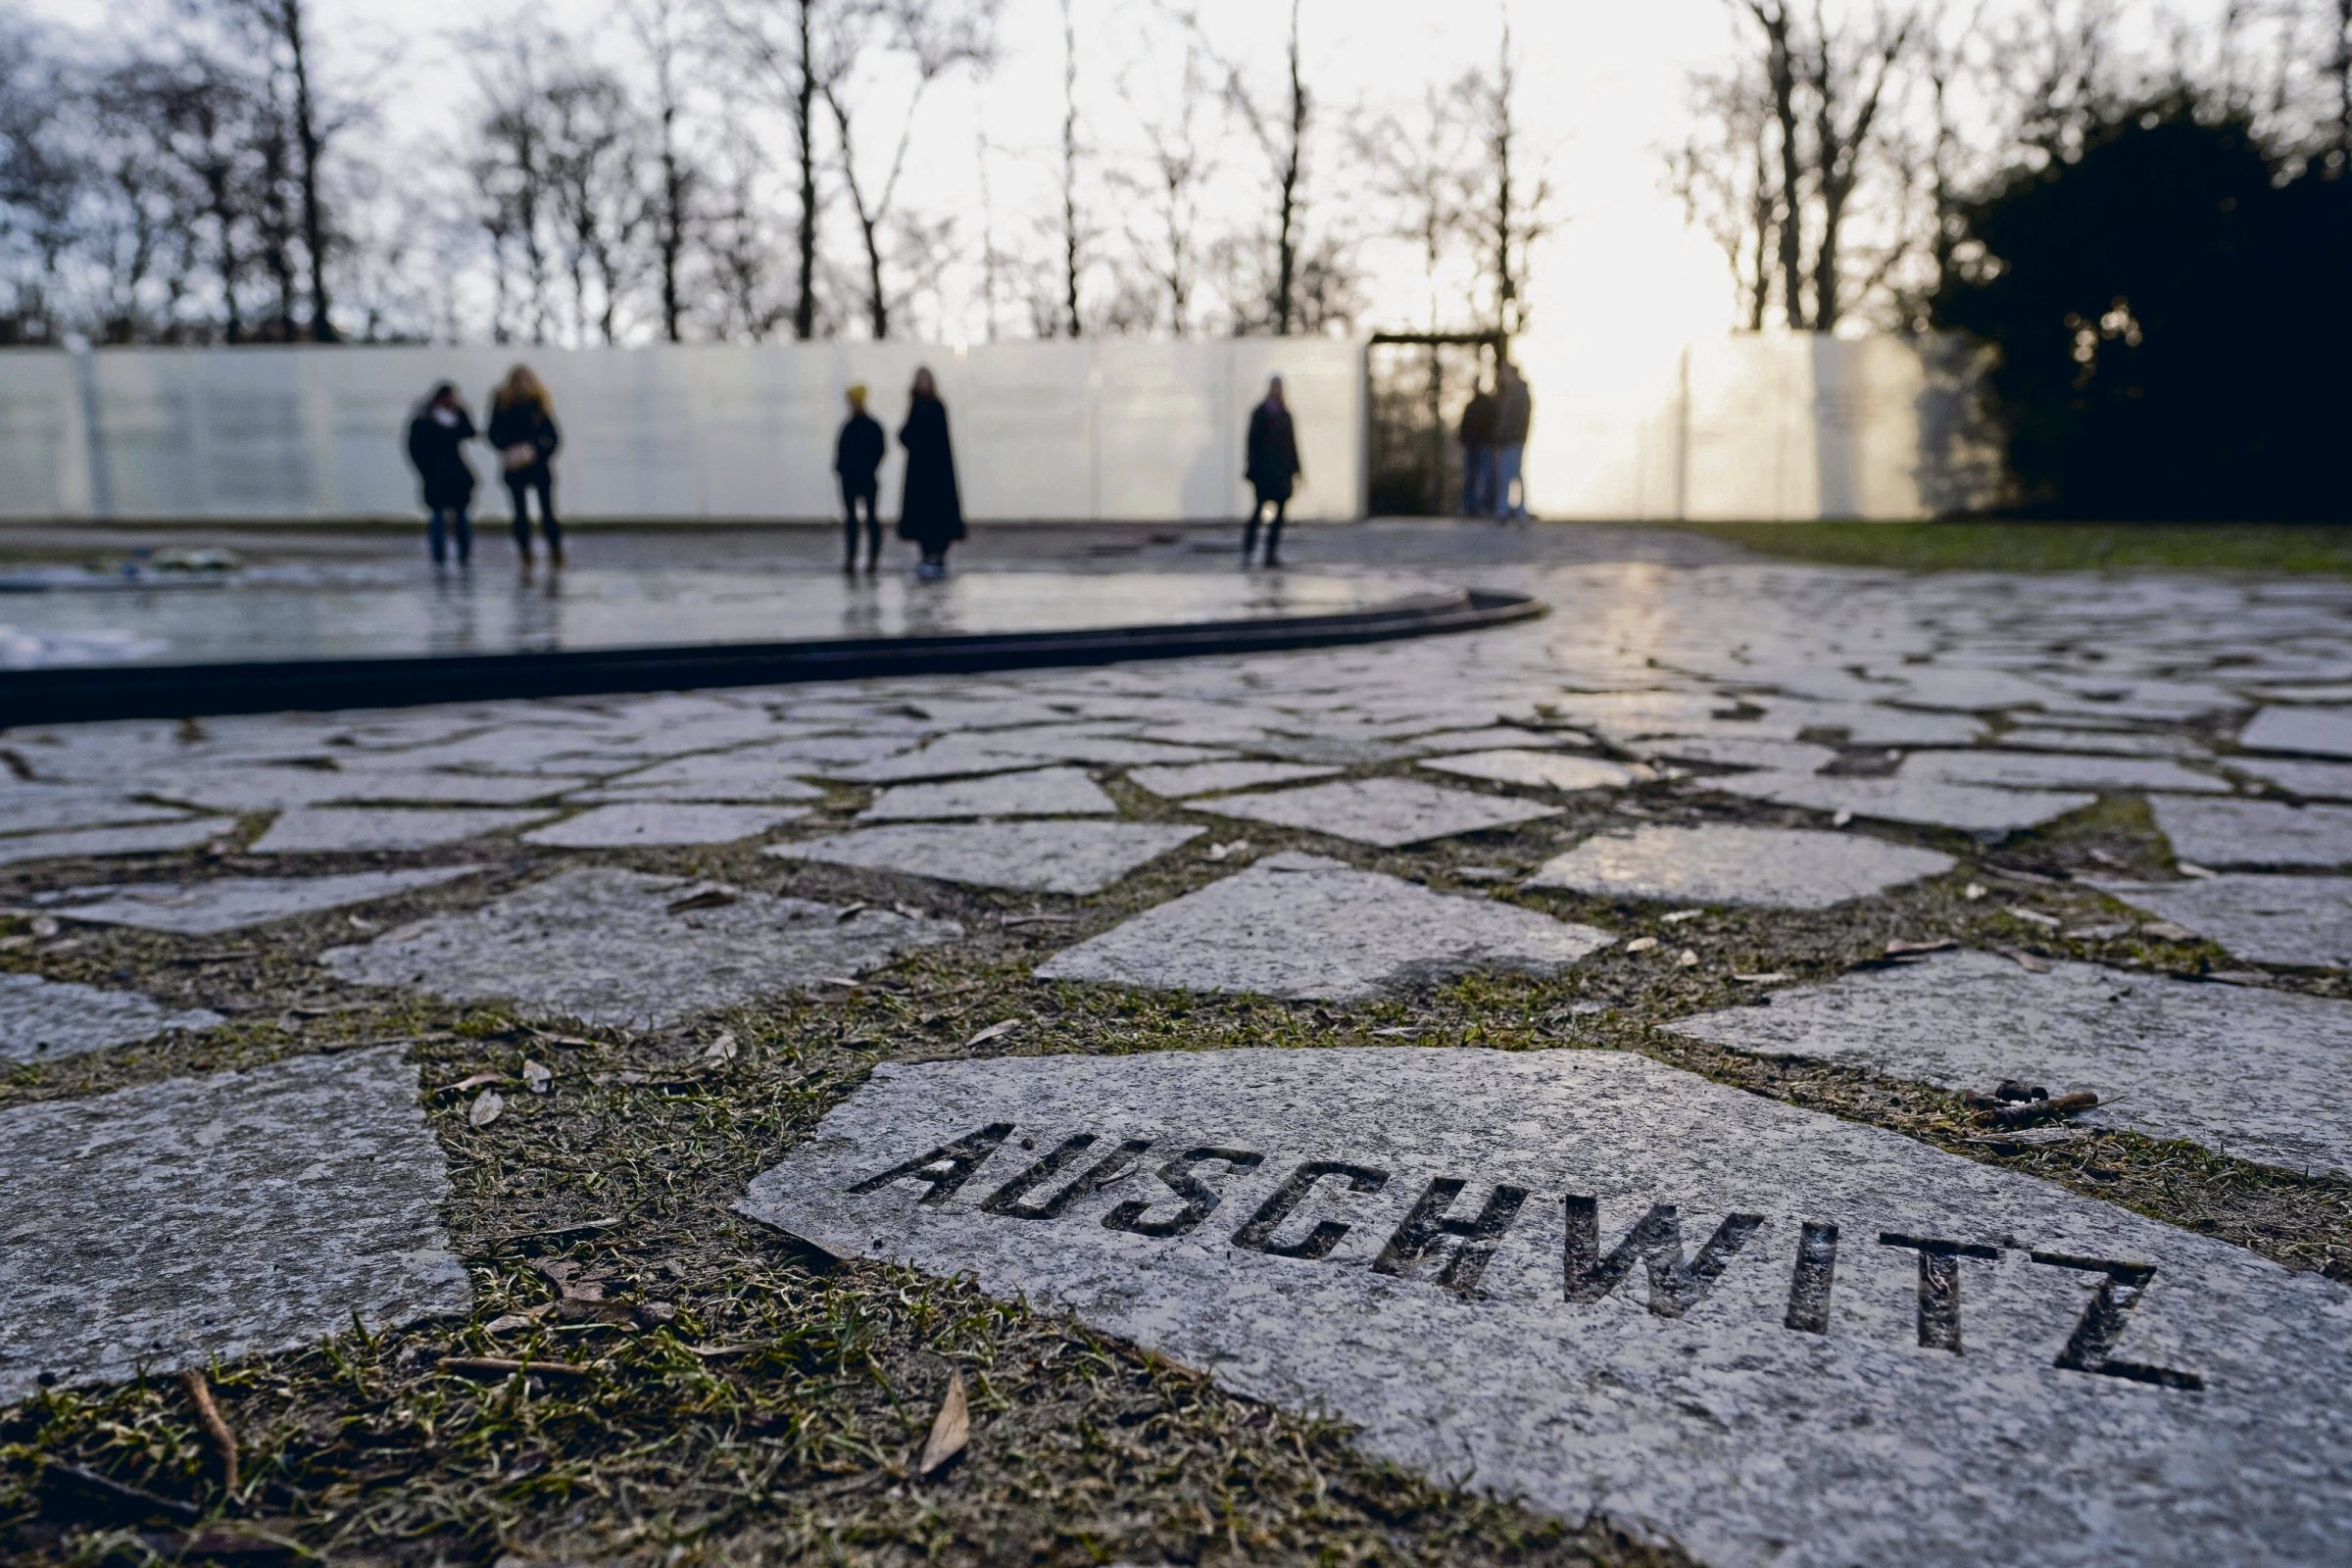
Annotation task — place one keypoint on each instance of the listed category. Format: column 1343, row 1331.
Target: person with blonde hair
column 858, row 460
column 523, row 429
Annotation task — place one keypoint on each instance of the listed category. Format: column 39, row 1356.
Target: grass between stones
column 741, row 1402
column 1987, row 546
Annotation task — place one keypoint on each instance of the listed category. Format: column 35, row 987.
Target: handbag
column 519, row 457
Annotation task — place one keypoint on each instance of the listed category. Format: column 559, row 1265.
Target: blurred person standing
column 437, row 435
column 858, row 460
column 1514, row 412
column 1272, row 469
column 930, row 506
column 523, row 428
column 1477, row 437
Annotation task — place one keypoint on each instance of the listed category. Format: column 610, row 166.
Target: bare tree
column 1278, row 123
column 1069, row 170
column 285, row 34
column 598, row 194
column 791, row 48
column 935, row 37
column 656, row 25
column 517, row 171
column 1163, row 224
column 1513, row 206
column 1723, row 173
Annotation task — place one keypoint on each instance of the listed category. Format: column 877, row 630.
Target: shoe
column 555, row 557
column 1273, row 560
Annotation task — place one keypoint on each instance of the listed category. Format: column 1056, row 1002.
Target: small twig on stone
column 2039, row 1110
column 208, row 1415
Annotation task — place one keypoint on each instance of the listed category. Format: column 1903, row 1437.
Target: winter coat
column 1478, row 421
column 930, row 508
column 1273, row 452
column 437, row 451
column 523, row 423
column 858, row 455
column 1514, row 410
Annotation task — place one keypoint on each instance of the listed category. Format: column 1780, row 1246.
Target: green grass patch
column 2254, row 547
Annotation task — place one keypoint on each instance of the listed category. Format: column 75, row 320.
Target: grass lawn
column 2261, row 547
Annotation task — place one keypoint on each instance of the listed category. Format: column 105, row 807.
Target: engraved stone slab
column 2265, row 1075
column 232, row 902
column 1300, row 926
column 2303, row 920
column 1026, row 856
column 230, row 1215
column 1209, row 778
column 2256, row 832
column 325, row 829
column 48, row 1020
column 2320, row 731
column 1385, row 813
column 1926, row 803
column 2034, row 770
column 1543, row 770
column 110, row 843
column 603, row 944
column 649, row 824
column 1602, row 1284
column 1045, row 792
column 1759, row 867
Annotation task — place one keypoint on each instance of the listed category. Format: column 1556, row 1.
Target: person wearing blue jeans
column 1477, row 436
column 437, row 437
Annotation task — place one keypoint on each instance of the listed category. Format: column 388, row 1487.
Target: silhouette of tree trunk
column 656, row 24
column 1069, row 168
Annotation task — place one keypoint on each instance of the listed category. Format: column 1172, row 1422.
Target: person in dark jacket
column 437, row 437
column 1478, row 453
column 930, row 507
column 858, row 460
column 1271, row 469
column 523, row 428
column 1515, row 412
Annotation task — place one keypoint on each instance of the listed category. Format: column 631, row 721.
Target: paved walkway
column 2019, row 908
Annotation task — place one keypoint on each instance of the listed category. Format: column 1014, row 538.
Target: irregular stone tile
column 2301, row 920
column 2264, row 1075
column 1212, row 778
column 1543, row 770
column 2113, row 742
column 49, row 1020
column 232, row 1216
column 1047, row 792
column 954, row 756
column 2313, row 781
column 1028, row 857
column 647, row 824
column 1779, row 757
column 1382, row 811
column 52, row 808
column 233, row 903
column 325, row 829
column 1873, row 724
column 360, row 787
column 1488, row 737
column 1696, row 1312
column 2320, row 731
column 1926, row 803
column 601, row 943
column 1300, row 926
column 1757, row 867
column 739, row 776
column 2255, row 832
column 108, row 842
column 2034, row 770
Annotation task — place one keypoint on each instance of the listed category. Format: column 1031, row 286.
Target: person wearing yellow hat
column 858, row 460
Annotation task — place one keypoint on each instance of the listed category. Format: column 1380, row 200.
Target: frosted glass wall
column 1142, row 431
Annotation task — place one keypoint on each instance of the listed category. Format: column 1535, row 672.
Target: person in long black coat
column 858, row 460
column 1271, row 469
column 437, row 437
column 931, row 507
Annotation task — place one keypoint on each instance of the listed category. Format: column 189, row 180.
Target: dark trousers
column 853, row 495
column 520, row 484
column 448, row 522
column 1282, row 506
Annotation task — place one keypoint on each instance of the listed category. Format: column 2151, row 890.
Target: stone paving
column 1778, row 1283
